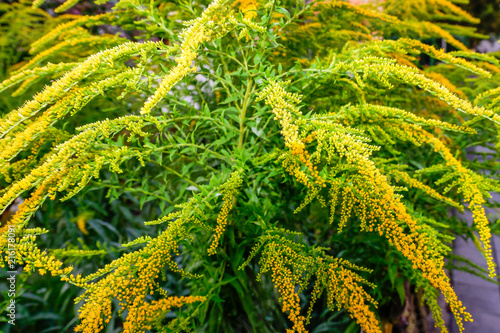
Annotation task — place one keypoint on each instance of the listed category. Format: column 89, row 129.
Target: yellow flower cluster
column 25, row 86
column 140, row 240
column 212, row 24
column 135, row 275
column 492, row 96
column 37, row 3
column 286, row 267
column 420, row 26
column 291, row 164
column 373, row 114
column 74, row 101
column 446, row 83
column 347, row 206
column 440, row 9
column 280, row 100
column 33, row 232
column 63, row 168
column 149, row 315
column 228, row 191
column 407, row 45
column 62, row 28
column 27, row 208
column 247, row 7
column 388, row 211
column 292, row 268
column 434, row 29
column 370, row 194
column 472, row 194
column 312, row 191
column 344, row 291
column 14, row 171
column 406, row 178
column 387, row 72
column 334, row 194
column 66, row 5
column 430, row 11
column 91, row 41
column 431, row 298
column 29, row 255
column 290, row 299
column 59, row 87
column 36, row 72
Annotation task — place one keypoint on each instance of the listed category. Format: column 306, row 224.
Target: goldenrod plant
column 241, row 166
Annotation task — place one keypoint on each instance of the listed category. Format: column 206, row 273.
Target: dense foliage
column 296, row 163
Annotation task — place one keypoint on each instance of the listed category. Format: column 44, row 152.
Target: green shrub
column 297, row 162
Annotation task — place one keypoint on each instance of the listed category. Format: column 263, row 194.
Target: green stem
column 244, row 111
column 220, row 156
column 131, row 189
column 175, row 173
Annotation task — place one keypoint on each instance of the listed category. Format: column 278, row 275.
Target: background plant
column 297, row 163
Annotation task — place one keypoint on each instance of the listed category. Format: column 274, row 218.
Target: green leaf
column 257, row 59
column 283, row 11
column 400, row 288
column 230, row 99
